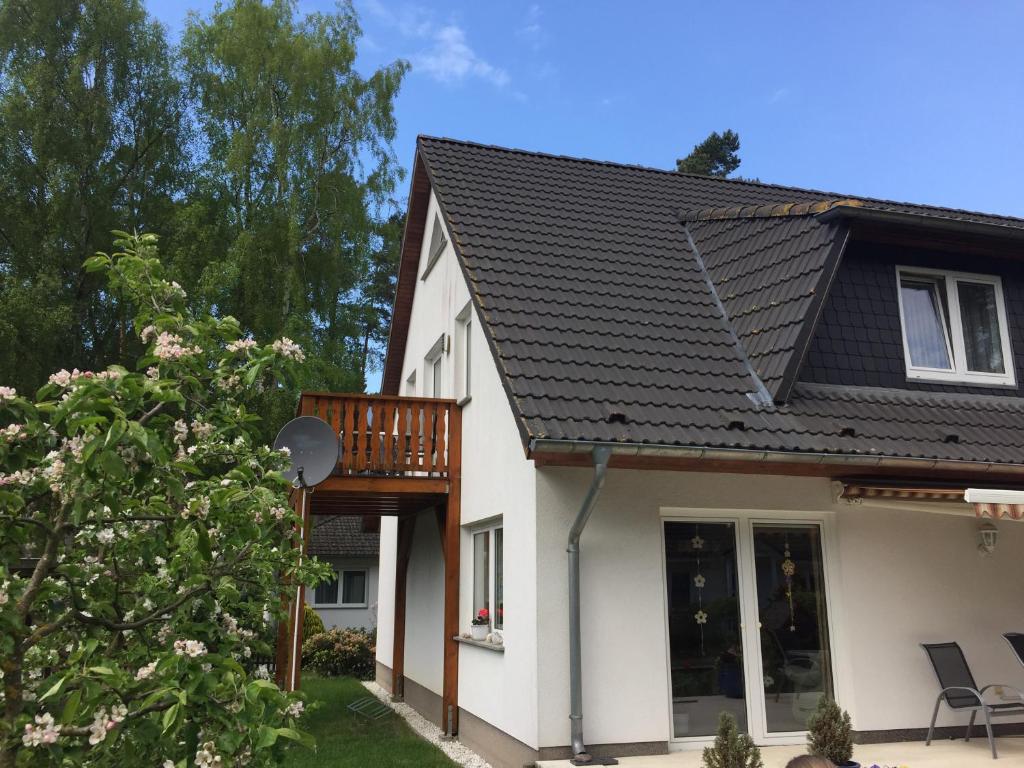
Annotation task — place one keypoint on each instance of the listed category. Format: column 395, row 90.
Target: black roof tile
column 342, row 536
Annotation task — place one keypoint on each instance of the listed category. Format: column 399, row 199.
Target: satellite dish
column 314, row 450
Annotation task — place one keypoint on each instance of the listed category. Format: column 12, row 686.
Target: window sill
column 957, row 381
column 479, row 644
column 464, row 401
column 356, row 606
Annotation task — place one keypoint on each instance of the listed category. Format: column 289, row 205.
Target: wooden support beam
column 406, row 526
column 388, row 485
column 288, row 671
column 452, row 546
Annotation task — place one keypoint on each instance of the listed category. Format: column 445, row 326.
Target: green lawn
column 347, row 740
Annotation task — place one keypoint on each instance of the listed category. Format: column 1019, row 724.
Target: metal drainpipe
column 601, row 455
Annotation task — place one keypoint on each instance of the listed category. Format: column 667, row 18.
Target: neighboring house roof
column 342, row 536
column 602, row 288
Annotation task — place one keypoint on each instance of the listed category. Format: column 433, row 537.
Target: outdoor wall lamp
column 987, row 536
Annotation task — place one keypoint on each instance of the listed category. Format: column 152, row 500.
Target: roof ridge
column 720, row 179
column 769, row 210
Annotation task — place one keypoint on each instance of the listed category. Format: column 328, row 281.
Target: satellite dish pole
column 313, row 447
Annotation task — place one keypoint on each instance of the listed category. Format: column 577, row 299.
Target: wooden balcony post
column 406, row 526
column 452, row 546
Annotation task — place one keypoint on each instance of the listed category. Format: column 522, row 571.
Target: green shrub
column 312, row 624
column 350, row 652
column 828, row 732
column 731, row 749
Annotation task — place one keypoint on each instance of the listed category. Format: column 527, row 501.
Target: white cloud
column 451, row 60
column 532, row 32
column 778, row 95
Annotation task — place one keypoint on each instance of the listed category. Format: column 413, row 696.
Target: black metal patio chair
column 1016, row 641
column 962, row 694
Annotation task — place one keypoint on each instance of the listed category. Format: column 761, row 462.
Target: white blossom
column 13, row 431
column 102, row 723
column 287, row 348
column 241, row 344
column 169, row 347
column 146, row 672
column 206, row 757
column 42, row 731
column 7, row 393
column 106, row 536
column 190, row 648
column 295, row 709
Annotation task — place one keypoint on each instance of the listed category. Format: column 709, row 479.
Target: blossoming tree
column 144, row 539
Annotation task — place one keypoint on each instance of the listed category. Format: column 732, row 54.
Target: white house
column 759, row 407
column 351, row 546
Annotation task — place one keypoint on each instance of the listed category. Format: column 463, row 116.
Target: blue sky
column 911, row 101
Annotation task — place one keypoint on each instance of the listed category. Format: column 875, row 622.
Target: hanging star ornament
column 697, row 542
column 699, row 581
column 701, row 617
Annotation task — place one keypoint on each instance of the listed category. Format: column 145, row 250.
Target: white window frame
column 434, row 357
column 955, row 330
column 339, row 573
column 492, row 561
column 464, row 354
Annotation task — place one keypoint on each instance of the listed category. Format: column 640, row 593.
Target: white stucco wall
column 333, row 616
column 424, row 619
column 386, row 591
column 914, row 577
column 898, row 579
column 497, row 481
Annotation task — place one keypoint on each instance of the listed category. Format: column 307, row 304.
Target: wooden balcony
column 396, row 453
column 398, row 456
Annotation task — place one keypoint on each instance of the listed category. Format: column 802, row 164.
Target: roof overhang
column 864, row 214
column 408, row 271
column 554, row 452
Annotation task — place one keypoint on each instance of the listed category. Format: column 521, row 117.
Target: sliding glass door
column 706, row 660
column 747, row 625
column 795, row 661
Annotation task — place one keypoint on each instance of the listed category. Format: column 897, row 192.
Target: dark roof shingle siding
column 596, row 307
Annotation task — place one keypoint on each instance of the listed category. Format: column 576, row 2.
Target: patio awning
column 995, row 503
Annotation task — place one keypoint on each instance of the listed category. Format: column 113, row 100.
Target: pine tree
column 829, row 732
column 732, row 749
column 717, row 155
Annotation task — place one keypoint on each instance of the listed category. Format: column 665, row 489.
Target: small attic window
column 438, row 241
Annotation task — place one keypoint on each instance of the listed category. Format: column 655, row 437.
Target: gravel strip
column 456, row 750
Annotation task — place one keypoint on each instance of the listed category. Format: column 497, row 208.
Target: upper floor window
column 464, row 353
column 434, row 368
column 438, row 241
column 954, row 327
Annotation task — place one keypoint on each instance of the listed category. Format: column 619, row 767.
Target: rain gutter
column 546, row 445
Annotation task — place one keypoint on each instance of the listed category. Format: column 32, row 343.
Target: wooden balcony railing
column 386, row 435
